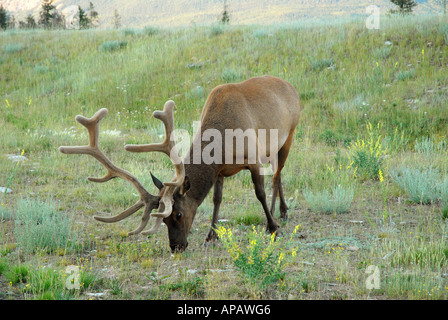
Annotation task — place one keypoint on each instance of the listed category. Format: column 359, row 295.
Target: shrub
column 338, row 201
column 40, row 225
column 113, row 45
column 382, row 53
column 17, row 273
column 230, row 75
column 422, row 186
column 147, row 31
column 150, row 31
column 318, row 65
column 3, row 266
column 367, row 156
column 405, row 75
column 13, row 47
column 216, row 30
column 194, row 288
column 263, row 259
column 425, row 145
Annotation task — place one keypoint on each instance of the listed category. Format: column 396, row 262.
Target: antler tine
column 168, row 147
column 146, row 199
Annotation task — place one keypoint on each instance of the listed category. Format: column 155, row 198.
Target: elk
column 258, row 105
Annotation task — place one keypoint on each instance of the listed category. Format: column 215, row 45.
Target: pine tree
column 30, row 23
column 4, row 19
column 84, row 21
column 46, row 14
column 404, row 6
column 225, row 17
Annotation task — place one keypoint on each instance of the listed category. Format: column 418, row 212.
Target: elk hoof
column 284, row 215
column 211, row 237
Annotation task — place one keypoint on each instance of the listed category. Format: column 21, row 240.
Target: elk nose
column 178, row 247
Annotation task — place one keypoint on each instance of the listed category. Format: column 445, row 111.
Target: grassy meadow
column 366, row 180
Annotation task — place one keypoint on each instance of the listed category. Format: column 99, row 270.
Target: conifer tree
column 225, row 17
column 84, row 21
column 30, row 23
column 4, row 19
column 404, row 6
column 46, row 14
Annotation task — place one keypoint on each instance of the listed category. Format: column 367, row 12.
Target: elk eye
column 179, row 215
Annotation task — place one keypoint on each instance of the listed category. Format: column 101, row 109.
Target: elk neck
column 202, row 178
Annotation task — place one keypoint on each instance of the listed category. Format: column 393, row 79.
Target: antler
column 168, row 147
column 146, row 199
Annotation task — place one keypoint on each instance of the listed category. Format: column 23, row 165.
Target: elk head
column 164, row 201
column 171, row 193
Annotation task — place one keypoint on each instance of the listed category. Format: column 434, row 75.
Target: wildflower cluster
column 263, row 259
column 367, row 156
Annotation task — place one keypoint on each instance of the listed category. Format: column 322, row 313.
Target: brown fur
column 259, row 103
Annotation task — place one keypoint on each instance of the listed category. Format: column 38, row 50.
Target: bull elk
column 262, row 104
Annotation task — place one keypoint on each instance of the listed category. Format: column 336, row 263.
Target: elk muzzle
column 178, row 247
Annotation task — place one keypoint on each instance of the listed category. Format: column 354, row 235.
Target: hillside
column 375, row 97
column 140, row 13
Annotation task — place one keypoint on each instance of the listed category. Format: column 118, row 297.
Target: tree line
column 50, row 18
column 405, row 7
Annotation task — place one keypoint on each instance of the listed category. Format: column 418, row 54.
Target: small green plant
column 338, row 201
column 194, row 288
column 17, row 274
column 425, row 145
column 13, row 47
column 376, row 79
column 151, row 31
column 12, row 174
column 422, row 185
column 113, row 45
column 263, row 259
column 216, row 30
column 444, row 214
column 367, row 156
column 39, row 224
column 383, row 53
column 318, row 65
column 249, row 218
column 405, row 75
column 230, row 75
column 3, row 266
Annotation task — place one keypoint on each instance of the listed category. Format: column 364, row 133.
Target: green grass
column 40, row 226
column 347, row 78
column 113, row 45
column 423, row 186
column 339, row 200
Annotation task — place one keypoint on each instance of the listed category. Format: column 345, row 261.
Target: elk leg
column 217, row 198
column 277, row 188
column 283, row 205
column 258, row 181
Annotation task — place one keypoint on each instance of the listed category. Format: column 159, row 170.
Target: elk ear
column 157, row 182
column 185, row 186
